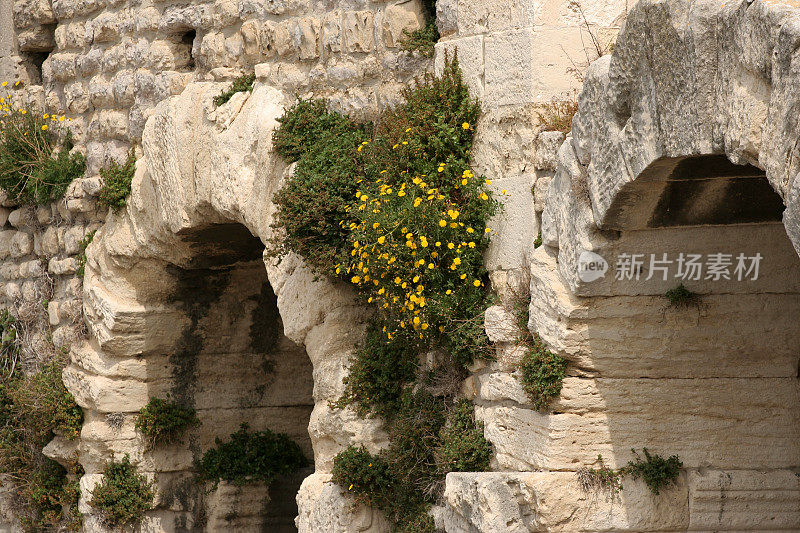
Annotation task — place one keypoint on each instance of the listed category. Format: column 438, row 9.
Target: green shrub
column 124, row 496
column 82, row 245
column 426, row 442
column 164, row 422
column 463, row 447
column 542, row 373
column 32, row 408
column 315, row 201
column 45, row 403
column 241, row 84
column 36, row 165
column 258, row 456
column 379, row 372
column 368, row 477
column 654, row 470
column 306, row 123
column 537, row 242
column 117, row 180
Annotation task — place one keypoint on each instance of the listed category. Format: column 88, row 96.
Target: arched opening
column 710, row 377
column 184, row 49
column 234, row 366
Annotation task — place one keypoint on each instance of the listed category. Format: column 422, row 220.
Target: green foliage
column 258, row 456
column 557, row 115
column 426, row 442
column 307, row 123
column 654, row 470
column 82, row 245
column 424, row 39
column 316, row 199
column 117, row 181
column 602, row 477
column 400, row 216
column 463, row 447
column 241, row 84
column 537, row 242
column 124, row 495
column 45, row 402
column 32, row 409
column 542, row 373
column 681, row 297
column 36, row 165
column 164, row 421
column 379, row 372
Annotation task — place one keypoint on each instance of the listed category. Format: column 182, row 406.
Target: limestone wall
column 715, row 382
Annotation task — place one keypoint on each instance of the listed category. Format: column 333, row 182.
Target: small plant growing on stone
column 557, row 115
column 542, row 373
column 241, row 84
column 250, row 457
column 680, row 297
column 424, row 39
column 537, row 242
column 603, row 477
column 654, row 470
column 463, row 447
column 82, row 245
column 117, row 180
column 164, row 421
column 124, row 496
column 36, row 160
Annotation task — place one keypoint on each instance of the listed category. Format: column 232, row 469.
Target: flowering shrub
column 36, row 165
column 401, row 216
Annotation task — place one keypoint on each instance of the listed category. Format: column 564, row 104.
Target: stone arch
column 167, row 276
column 685, row 141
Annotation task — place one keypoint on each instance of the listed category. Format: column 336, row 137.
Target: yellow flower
column 44, row 127
column 487, row 230
column 449, row 292
column 417, row 202
column 453, row 214
column 477, row 283
column 381, row 239
column 451, row 245
column 484, row 196
column 465, row 125
column 470, row 230
column 442, row 223
column 355, row 279
column 463, row 276
column 464, row 181
column 351, row 486
column 5, row 83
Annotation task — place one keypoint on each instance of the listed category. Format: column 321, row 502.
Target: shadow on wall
column 714, row 379
column 232, row 364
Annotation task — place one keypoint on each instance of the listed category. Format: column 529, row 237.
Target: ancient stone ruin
column 656, row 237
